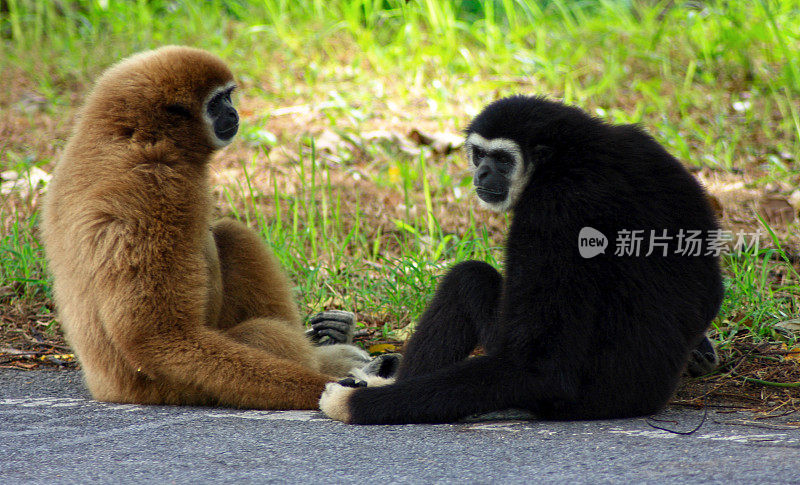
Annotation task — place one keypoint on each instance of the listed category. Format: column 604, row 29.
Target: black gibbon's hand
column 332, row 327
column 352, row 382
column 383, row 366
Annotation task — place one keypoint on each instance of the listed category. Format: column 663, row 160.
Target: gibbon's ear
column 542, row 154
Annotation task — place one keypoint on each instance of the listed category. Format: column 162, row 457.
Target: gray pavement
column 51, row 432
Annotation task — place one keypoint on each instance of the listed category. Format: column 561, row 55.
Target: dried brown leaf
column 716, row 205
column 442, row 143
column 777, row 211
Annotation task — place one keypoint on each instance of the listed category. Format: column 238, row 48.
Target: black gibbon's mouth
column 490, row 195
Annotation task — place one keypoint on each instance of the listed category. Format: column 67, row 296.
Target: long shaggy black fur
column 565, row 337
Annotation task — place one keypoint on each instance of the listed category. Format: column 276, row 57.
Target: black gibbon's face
column 499, row 174
column 221, row 117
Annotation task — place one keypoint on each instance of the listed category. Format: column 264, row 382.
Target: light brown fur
column 160, row 305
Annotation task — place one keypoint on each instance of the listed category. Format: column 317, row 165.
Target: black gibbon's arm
column 476, row 385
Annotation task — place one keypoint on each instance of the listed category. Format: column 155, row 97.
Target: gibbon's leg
column 165, row 344
column 461, row 315
column 253, row 282
column 475, row 385
column 258, row 308
column 178, row 359
column 290, row 343
column 279, row 339
column 257, row 305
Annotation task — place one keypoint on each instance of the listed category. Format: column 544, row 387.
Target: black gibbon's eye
column 505, row 163
column 477, row 154
column 179, row 110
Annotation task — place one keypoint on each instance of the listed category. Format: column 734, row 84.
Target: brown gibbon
column 160, row 304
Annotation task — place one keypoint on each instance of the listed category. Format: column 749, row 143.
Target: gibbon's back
column 121, row 126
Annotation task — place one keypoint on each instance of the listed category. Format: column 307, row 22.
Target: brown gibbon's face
column 177, row 94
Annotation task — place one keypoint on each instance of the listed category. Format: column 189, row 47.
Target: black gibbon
column 574, row 329
column 160, row 304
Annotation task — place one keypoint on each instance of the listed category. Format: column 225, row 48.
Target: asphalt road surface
column 51, row 432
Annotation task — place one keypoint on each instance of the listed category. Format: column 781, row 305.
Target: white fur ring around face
column 334, row 401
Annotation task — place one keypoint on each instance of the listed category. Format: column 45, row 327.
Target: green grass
column 719, row 86
column 761, row 290
column 22, row 264
column 337, row 261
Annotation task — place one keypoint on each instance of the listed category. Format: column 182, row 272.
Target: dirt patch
column 762, row 377
column 30, row 337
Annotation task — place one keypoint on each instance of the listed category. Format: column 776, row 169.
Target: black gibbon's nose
column 481, row 174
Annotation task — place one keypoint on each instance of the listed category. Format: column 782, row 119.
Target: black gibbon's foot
column 332, row 327
column 384, row 365
column 703, row 359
